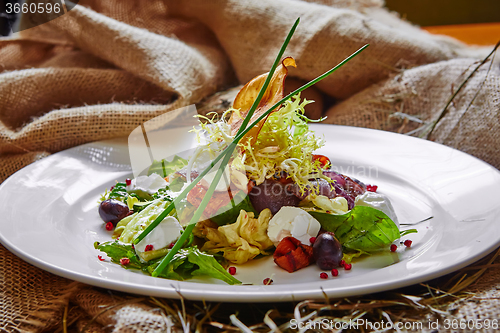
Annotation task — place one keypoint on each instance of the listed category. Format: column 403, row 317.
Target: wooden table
column 474, row 34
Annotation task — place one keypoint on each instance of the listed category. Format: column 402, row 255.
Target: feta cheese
column 165, row 233
column 148, row 184
column 295, row 222
column 378, row 201
column 337, row 205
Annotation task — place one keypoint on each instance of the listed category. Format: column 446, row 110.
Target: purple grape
column 327, row 251
column 113, row 211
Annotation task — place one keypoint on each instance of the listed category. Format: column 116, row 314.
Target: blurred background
column 420, row 12
column 445, row 12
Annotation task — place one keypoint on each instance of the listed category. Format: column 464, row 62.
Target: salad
column 276, row 198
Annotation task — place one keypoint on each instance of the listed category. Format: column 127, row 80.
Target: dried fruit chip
column 292, row 255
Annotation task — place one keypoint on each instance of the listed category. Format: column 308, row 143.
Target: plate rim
column 250, row 294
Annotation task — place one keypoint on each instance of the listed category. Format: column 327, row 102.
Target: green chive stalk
column 227, row 154
column 229, row 151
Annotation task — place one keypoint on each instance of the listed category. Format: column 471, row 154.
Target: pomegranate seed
column 232, row 270
column 171, row 245
column 371, row 188
column 335, row 272
column 124, row 261
column 323, row 275
column 109, row 226
column 100, row 258
column 312, row 240
column 325, row 161
column 128, row 181
column 149, row 247
column 133, row 246
column 342, row 263
column 267, row 281
column 112, row 188
column 394, row 247
column 347, row 267
column 407, row 243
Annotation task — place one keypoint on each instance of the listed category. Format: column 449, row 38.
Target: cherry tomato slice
column 325, row 161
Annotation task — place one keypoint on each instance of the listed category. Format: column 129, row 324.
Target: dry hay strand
column 438, row 298
column 427, row 129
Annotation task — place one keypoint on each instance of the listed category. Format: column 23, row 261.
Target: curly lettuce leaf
column 284, row 144
column 240, row 241
column 165, row 168
column 187, row 263
column 364, row 229
column 142, row 220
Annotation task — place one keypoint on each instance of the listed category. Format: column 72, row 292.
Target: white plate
column 50, row 219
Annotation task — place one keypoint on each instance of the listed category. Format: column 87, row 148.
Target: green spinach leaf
column 362, row 229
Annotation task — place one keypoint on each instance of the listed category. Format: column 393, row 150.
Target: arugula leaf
column 229, row 213
column 190, row 262
column 185, row 264
column 116, row 251
column 207, row 265
column 165, row 168
column 362, row 229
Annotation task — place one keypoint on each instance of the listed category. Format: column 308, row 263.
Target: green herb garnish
column 227, row 153
column 363, row 229
column 187, row 263
column 119, row 192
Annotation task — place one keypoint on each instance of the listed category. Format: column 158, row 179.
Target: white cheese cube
column 165, row 233
column 295, row 222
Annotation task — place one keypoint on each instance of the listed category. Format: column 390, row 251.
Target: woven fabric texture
column 105, row 67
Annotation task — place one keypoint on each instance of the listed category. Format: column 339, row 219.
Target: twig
column 426, row 134
column 480, row 87
column 480, row 267
column 65, row 318
column 467, row 282
column 205, row 318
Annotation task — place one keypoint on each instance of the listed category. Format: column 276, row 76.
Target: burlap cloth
column 105, row 67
